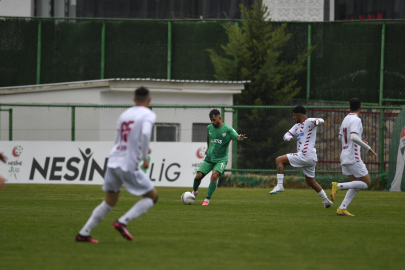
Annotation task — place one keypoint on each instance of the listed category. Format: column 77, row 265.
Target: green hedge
column 269, row 181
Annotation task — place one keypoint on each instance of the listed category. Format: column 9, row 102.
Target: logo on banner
column 15, row 164
column 17, row 151
column 400, row 164
column 402, row 142
column 201, row 152
column 80, row 168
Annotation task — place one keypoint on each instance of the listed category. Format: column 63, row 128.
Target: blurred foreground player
column 2, row 180
column 305, row 158
column 350, row 134
column 132, row 142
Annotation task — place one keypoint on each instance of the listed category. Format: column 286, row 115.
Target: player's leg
column 356, row 182
column 353, row 187
column 97, row 216
column 280, row 162
column 111, row 187
column 197, row 182
column 138, row 184
column 202, row 171
column 211, row 188
column 319, row 190
column 360, row 179
column 216, row 173
column 141, row 207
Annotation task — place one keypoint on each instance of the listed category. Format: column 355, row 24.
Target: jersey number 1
column 345, row 134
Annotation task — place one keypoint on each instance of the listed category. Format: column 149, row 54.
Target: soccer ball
column 187, row 198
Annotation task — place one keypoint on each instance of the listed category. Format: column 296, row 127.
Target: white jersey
column 350, row 150
column 133, row 136
column 306, row 137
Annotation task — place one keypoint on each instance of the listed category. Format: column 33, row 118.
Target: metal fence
column 365, row 57
column 263, row 125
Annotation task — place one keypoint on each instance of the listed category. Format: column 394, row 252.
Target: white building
column 280, row 10
column 45, row 123
column 299, row 10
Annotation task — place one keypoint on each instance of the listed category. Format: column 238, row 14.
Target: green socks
column 211, row 189
column 196, row 184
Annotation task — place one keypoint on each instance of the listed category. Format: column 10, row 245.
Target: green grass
column 241, row 229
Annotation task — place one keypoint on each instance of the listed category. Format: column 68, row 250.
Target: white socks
column 322, row 194
column 348, row 198
column 96, row 217
column 353, row 184
column 353, row 187
column 280, row 178
column 140, row 208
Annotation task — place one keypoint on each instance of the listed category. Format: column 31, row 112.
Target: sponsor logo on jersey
column 216, row 141
column 299, row 135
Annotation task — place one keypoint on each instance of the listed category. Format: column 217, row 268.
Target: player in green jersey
column 219, row 135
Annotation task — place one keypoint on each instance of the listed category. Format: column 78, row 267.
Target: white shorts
column 135, row 182
column 306, row 164
column 357, row 169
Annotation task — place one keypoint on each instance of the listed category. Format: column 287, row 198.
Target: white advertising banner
column 171, row 164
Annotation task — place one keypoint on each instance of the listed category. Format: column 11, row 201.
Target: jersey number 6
column 125, row 129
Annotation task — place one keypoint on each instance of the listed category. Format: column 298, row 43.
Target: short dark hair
column 214, row 112
column 299, row 109
column 355, row 104
column 142, row 94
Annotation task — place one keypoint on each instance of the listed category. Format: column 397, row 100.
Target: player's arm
column 3, row 157
column 147, row 126
column 317, row 121
column 208, row 144
column 2, row 182
column 241, row 137
column 289, row 136
column 355, row 138
column 236, row 136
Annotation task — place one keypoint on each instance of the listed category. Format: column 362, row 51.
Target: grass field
column 241, row 229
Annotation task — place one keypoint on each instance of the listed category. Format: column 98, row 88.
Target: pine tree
column 254, row 53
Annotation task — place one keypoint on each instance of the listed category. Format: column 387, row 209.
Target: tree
column 255, row 52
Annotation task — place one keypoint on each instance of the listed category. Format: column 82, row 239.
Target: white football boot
column 277, row 189
column 328, row 204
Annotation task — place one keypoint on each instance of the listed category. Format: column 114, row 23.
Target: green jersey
column 219, row 139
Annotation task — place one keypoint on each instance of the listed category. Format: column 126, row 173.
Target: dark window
column 165, row 133
column 369, row 9
column 199, row 132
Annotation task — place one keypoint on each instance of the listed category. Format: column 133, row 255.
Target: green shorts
column 207, row 166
